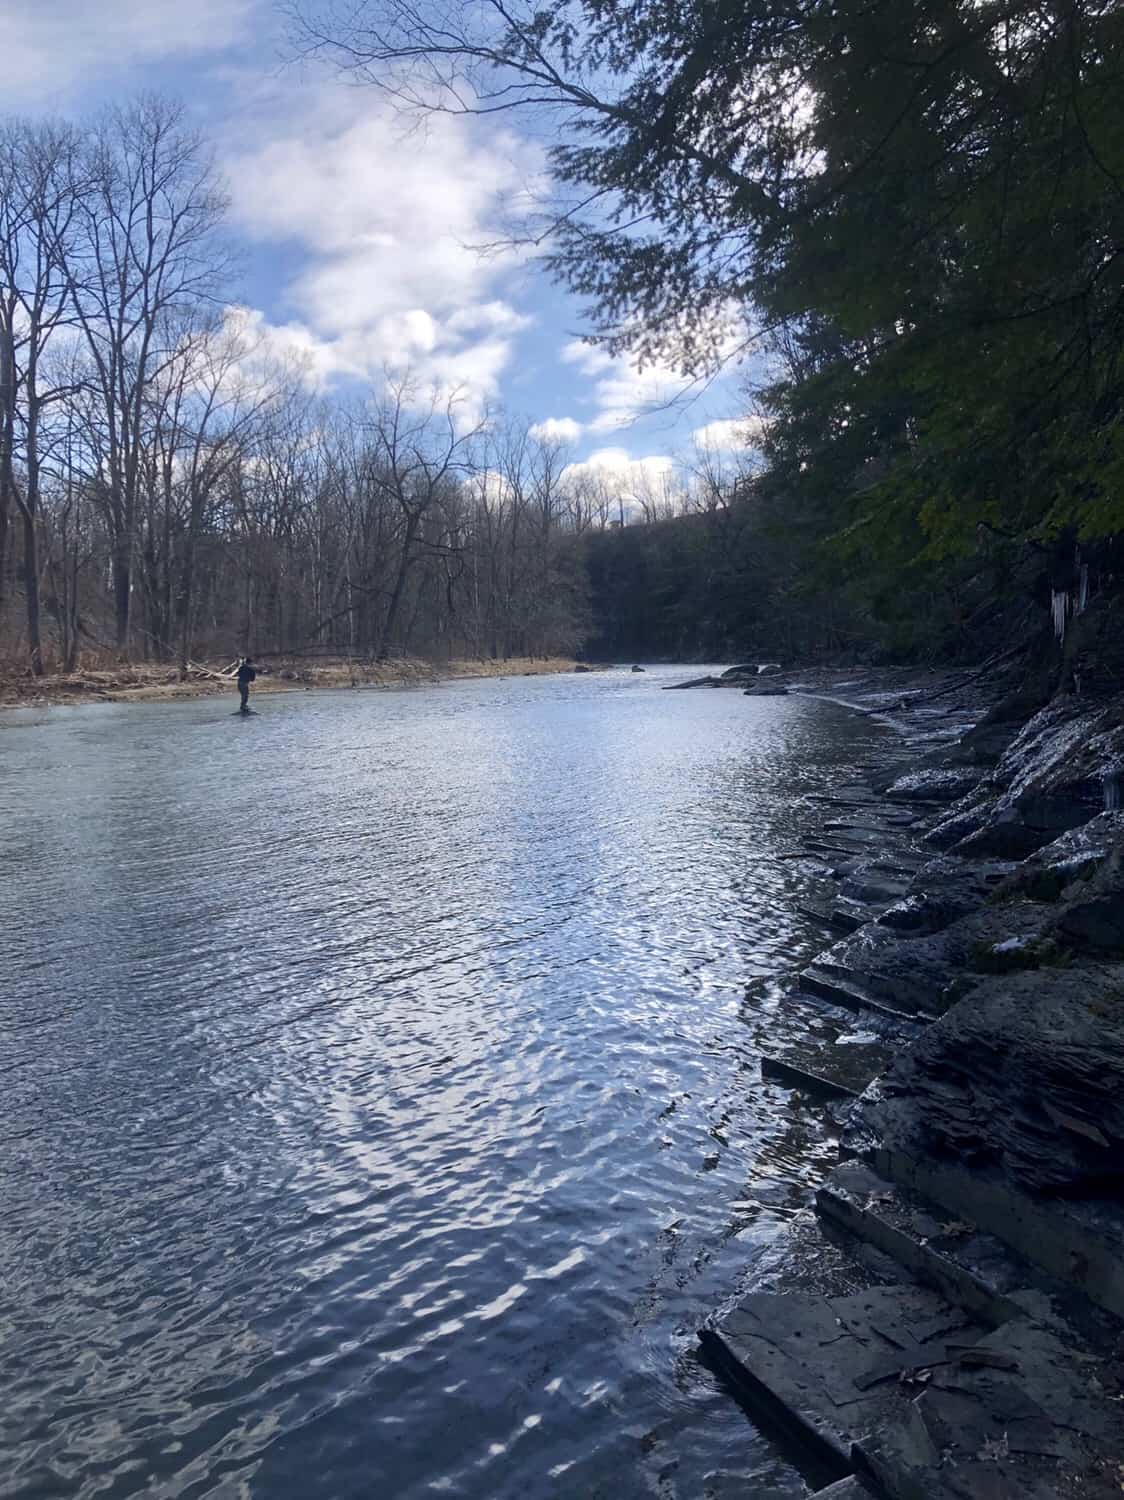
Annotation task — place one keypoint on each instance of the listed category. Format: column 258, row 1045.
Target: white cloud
column 623, row 390
column 729, row 435
column 493, row 317
column 619, row 463
column 284, row 344
column 392, row 230
column 635, row 484
column 557, row 430
column 590, row 357
column 491, row 487
column 49, row 47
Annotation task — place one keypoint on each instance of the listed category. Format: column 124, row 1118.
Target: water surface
column 382, row 1111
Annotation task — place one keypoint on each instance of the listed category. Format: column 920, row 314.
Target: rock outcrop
column 965, row 1332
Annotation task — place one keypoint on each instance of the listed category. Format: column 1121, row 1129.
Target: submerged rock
column 696, row 682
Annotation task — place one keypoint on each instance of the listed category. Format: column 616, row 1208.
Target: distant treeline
column 167, row 489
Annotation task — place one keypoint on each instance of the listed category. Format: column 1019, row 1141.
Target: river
column 381, row 1101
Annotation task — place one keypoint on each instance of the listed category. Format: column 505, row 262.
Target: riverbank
column 123, row 683
column 947, row 1318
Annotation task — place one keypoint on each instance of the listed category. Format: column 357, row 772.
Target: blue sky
column 360, row 237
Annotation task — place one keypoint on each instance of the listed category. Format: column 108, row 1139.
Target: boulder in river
column 638, row 669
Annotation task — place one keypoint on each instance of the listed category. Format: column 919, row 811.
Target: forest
column 914, row 211
column 912, row 215
column 168, row 490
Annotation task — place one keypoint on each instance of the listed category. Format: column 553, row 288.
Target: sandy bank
column 150, row 683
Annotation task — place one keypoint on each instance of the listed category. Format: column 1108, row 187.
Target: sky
column 360, row 234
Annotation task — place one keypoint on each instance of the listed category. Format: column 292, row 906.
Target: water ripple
column 382, row 1106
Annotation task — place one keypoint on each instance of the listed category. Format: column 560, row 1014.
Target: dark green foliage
column 712, row 586
column 928, row 194
column 918, row 205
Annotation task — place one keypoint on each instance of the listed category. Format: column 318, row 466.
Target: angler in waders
column 246, row 675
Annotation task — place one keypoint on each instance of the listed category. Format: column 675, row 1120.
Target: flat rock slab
column 936, row 785
column 918, row 972
column 898, row 1385
column 791, row 1075
column 845, row 1489
column 845, row 987
column 845, row 1066
column 1022, row 1415
column 839, row 1367
column 953, row 1256
column 1009, row 1113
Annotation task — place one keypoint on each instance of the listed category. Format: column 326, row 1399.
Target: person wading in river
column 246, row 675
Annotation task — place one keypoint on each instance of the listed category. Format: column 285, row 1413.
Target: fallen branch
column 224, row 676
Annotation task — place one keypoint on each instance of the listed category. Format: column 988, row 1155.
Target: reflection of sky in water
column 383, row 1103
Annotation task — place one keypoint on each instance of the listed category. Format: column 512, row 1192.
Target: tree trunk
column 404, row 561
column 31, row 591
column 185, row 621
column 122, row 587
column 29, row 510
column 7, row 433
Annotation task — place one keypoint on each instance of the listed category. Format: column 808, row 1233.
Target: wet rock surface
column 1057, row 774
column 1010, row 1110
column 974, row 902
column 934, row 786
column 755, row 680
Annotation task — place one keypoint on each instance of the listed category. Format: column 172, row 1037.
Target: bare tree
column 151, row 256
column 424, row 445
column 41, row 195
column 180, row 492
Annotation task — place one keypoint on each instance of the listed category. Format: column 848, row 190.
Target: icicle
column 1083, row 590
column 1059, row 607
column 1112, row 792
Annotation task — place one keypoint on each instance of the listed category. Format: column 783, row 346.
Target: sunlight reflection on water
column 383, row 1111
